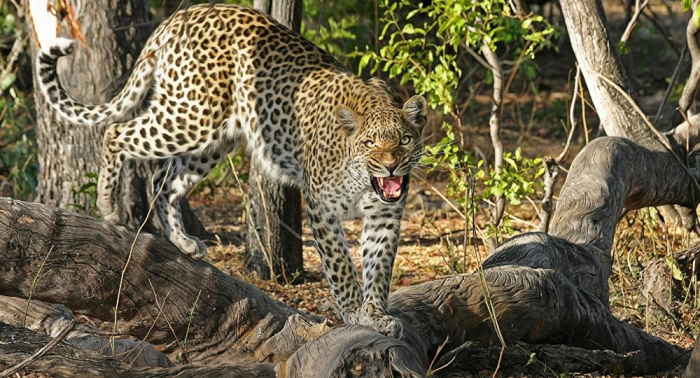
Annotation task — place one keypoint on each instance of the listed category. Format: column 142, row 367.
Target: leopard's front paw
column 193, row 247
column 384, row 324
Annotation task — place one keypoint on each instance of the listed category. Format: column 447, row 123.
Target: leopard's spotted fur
column 221, row 74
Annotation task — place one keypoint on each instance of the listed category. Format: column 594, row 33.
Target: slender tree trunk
column 115, row 32
column 274, row 218
column 589, row 34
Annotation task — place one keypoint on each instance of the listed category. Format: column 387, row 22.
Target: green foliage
column 424, row 47
column 425, row 53
column 338, row 27
column 330, row 37
column 18, row 147
column 17, row 143
column 516, row 180
column 87, row 191
column 221, row 172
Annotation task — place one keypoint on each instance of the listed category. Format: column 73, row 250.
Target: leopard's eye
column 405, row 140
column 369, row 143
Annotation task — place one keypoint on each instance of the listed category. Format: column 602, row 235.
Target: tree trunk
column 595, row 52
column 544, row 289
column 67, row 152
column 115, row 32
column 274, row 210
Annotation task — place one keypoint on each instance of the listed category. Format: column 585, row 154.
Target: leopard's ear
column 349, row 120
column 416, row 111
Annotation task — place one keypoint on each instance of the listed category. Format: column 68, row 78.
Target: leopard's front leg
column 380, row 239
column 336, row 260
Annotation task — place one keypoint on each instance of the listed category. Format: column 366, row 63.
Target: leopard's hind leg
column 121, row 141
column 183, row 172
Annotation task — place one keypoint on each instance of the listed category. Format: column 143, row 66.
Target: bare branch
column 691, row 87
column 638, row 9
column 494, row 65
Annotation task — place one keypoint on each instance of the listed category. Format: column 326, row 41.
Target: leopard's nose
column 390, row 167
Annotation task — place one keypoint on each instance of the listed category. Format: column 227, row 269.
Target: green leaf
column 687, row 4
column 7, row 81
column 675, row 270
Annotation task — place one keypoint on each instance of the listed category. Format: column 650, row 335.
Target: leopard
column 214, row 77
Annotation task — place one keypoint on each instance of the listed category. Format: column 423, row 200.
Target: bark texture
column 273, row 240
column 84, row 260
column 51, row 319
column 65, row 360
column 589, row 34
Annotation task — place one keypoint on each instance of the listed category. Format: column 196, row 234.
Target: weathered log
column 51, row 319
column 606, row 177
column 66, row 360
column 693, row 368
column 81, row 262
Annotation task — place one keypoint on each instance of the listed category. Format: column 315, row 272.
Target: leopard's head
column 386, row 144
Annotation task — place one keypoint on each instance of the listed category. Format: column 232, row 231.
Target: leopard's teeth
column 386, row 195
column 397, row 193
column 381, row 181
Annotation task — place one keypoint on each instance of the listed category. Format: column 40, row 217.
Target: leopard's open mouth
column 390, row 189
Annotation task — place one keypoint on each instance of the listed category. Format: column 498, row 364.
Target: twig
column 572, row 118
column 551, row 172
column 495, row 130
column 145, row 338
column 482, row 277
column 161, row 306
column 674, row 79
column 31, row 289
column 500, row 359
column 266, row 255
column 583, row 111
column 131, row 251
column 437, row 353
column 638, row 9
column 192, row 311
column 41, row 352
column 653, row 129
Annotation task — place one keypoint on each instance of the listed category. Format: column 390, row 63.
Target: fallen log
column 51, row 319
column 66, row 360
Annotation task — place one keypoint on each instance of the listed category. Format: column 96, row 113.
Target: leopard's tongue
column 390, row 185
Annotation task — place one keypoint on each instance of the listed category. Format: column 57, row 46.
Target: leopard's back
column 222, row 71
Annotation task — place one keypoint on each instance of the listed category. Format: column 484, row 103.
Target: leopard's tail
column 71, row 111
